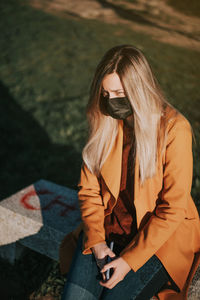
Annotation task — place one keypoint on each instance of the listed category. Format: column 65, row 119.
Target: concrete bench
column 39, row 216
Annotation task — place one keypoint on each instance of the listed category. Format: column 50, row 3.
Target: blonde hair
column 147, row 101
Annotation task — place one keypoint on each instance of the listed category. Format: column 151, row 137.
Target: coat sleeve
column 170, row 212
column 92, row 209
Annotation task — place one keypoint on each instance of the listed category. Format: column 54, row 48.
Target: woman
column 134, row 190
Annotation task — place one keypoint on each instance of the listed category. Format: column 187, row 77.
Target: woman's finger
column 111, row 282
column 111, row 253
column 104, row 276
column 109, row 286
column 108, row 266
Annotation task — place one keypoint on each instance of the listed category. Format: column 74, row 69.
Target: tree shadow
column 27, row 153
column 25, row 147
column 18, row 281
column 139, row 17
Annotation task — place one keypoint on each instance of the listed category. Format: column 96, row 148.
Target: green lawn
column 188, row 7
column 46, row 66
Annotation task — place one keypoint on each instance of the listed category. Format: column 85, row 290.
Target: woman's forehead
column 111, row 82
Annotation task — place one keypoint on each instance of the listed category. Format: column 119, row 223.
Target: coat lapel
column 111, row 170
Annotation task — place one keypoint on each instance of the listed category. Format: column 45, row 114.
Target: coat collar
column 111, row 170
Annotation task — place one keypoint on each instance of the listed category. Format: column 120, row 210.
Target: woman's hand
column 120, row 267
column 101, row 250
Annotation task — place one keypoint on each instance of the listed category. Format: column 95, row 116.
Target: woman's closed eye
column 118, row 94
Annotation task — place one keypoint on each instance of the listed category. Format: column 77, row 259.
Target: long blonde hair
column 147, row 101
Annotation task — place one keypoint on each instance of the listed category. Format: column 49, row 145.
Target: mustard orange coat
column 167, row 218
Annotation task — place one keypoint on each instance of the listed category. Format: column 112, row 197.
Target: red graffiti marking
column 25, row 202
column 25, row 199
column 57, row 201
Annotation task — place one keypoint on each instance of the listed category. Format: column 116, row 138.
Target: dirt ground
column 154, row 17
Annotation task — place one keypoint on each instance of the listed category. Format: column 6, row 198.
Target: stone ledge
column 38, row 217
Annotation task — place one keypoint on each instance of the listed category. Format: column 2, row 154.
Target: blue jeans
column 84, row 276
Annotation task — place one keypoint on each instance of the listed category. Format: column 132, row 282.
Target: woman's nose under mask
column 118, row 108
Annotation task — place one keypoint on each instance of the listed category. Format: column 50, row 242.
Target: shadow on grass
column 132, row 15
column 24, row 154
column 18, row 281
column 27, row 153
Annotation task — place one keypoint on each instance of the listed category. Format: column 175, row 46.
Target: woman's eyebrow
column 113, row 90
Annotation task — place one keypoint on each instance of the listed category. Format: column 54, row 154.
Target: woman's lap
column 83, row 280
column 143, row 284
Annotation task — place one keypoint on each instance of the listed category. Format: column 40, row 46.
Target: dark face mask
column 118, row 108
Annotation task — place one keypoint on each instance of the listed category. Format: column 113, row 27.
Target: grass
column 188, row 7
column 46, row 66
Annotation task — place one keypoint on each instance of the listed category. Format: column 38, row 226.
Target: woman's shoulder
column 174, row 119
column 175, row 127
